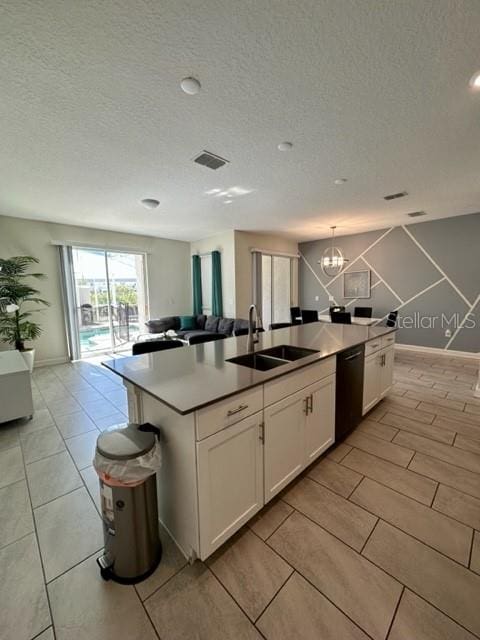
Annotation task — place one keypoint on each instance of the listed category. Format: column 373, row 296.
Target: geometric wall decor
column 429, row 272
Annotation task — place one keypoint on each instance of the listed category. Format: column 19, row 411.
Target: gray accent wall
column 429, row 271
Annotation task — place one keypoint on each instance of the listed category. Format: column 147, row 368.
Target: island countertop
column 192, row 377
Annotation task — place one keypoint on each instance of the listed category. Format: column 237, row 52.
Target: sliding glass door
column 276, row 288
column 108, row 294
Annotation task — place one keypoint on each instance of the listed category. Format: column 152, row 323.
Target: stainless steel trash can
column 130, row 514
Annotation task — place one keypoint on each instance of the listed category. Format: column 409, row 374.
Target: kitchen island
column 234, row 436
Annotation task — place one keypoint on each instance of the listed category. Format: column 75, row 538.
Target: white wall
column 244, row 242
column 168, row 271
column 225, row 243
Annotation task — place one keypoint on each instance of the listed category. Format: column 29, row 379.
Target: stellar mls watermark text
column 418, row 320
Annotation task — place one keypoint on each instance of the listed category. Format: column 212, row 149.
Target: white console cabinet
column 15, row 387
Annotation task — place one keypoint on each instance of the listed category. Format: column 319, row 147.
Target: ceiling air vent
column 416, row 214
column 210, row 160
column 394, row 196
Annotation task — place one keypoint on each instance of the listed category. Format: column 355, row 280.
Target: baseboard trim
column 50, row 361
column 437, row 351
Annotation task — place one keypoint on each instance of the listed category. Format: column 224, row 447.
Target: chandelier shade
column 333, row 260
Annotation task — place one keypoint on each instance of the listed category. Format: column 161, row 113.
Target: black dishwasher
column 349, row 390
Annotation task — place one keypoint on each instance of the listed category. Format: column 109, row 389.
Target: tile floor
column 378, row 539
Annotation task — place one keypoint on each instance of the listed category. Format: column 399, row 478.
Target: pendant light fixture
column 333, row 260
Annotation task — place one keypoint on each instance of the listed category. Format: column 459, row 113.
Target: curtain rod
column 274, row 253
column 100, row 247
column 207, row 253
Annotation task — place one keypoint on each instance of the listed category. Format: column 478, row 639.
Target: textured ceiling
column 92, row 118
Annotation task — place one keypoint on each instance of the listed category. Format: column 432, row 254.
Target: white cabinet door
column 320, row 420
column 284, row 442
column 386, row 370
column 371, row 382
column 230, row 481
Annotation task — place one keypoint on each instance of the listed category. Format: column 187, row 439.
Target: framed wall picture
column 356, row 284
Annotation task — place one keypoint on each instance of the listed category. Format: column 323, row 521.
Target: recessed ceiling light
column 191, row 86
column 475, row 81
column 212, row 192
column 228, row 201
column 239, row 191
column 284, row 146
column 150, row 203
column 340, row 181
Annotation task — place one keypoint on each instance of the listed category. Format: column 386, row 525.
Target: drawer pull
column 232, row 412
column 374, row 346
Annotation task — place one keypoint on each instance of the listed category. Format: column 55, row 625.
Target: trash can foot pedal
column 107, row 573
column 105, row 567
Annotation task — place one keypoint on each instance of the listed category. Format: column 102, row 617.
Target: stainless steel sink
column 258, row 361
column 274, row 357
column 287, row 352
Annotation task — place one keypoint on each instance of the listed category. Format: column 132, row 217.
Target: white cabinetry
column 230, row 481
column 320, row 418
column 386, row 373
column 297, row 430
column 284, row 442
column 378, row 372
column 371, row 382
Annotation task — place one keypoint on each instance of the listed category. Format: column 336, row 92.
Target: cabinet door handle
column 232, row 412
column 311, row 402
column 305, row 406
column 261, row 435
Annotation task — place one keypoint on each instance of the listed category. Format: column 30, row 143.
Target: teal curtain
column 197, row 284
column 217, row 302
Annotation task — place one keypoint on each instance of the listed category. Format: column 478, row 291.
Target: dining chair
column 309, row 315
column 336, row 309
column 341, row 317
column 149, row 346
column 244, row 332
column 279, row 325
column 295, row 315
column 209, row 337
column 363, row 312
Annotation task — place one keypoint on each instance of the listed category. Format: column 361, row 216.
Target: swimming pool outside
column 98, row 337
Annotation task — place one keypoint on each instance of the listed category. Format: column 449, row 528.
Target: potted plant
column 17, row 298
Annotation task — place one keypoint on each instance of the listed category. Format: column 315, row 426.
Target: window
column 206, row 269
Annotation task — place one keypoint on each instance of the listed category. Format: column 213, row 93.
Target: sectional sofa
column 186, row 327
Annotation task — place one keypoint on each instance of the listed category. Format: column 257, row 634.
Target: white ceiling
column 92, row 118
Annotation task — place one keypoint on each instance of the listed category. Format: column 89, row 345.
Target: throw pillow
column 225, row 326
column 200, row 320
column 187, row 323
column 211, row 324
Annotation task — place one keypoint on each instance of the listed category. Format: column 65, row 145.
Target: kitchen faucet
column 252, row 330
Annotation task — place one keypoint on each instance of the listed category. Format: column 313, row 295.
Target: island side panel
column 177, row 477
